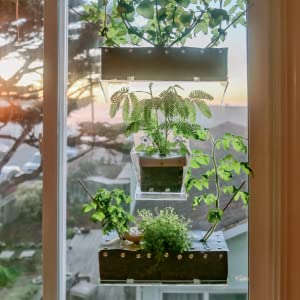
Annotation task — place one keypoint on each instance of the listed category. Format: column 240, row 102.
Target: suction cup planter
column 164, row 64
column 204, row 263
column 160, row 178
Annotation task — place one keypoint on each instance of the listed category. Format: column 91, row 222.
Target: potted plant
column 219, row 173
column 167, row 253
column 163, row 24
column 107, row 208
column 161, row 159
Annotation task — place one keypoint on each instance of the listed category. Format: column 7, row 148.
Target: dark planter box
column 164, row 64
column 205, row 263
column 162, row 174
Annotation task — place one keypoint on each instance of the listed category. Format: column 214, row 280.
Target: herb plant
column 165, row 118
column 106, row 207
column 164, row 23
column 164, row 232
column 220, row 173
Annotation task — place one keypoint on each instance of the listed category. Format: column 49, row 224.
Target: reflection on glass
column 21, row 69
column 103, row 160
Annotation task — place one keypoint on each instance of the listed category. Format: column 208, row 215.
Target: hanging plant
column 163, row 23
column 219, row 173
column 164, row 118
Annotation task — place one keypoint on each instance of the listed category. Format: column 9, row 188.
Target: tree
column 29, row 200
column 21, row 26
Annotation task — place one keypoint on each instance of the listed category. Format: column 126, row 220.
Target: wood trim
column 274, row 50
column 260, row 141
column 290, row 156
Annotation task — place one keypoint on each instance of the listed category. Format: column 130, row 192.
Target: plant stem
column 232, row 198
column 213, row 227
column 197, row 21
column 214, row 41
column 85, row 188
column 130, row 28
column 209, row 232
column 217, row 182
column 159, row 29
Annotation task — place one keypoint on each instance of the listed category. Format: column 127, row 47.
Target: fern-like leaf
column 126, row 109
column 198, row 94
column 203, row 107
column 133, row 127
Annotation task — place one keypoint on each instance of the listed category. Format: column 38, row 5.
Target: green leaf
column 225, row 143
column 244, row 196
column 197, row 183
column 233, row 9
column 184, row 3
column 200, row 158
column 98, row 216
column 236, row 166
column 202, row 135
column 200, row 95
column 215, row 215
column 227, row 2
column 87, row 208
column 229, row 189
column 197, row 201
column 246, row 168
column 146, row 9
column 201, row 27
column 209, row 199
column 238, row 144
column 126, row 109
column 186, row 19
column 203, row 107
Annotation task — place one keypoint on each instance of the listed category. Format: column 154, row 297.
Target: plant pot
column 164, row 64
column 160, row 177
column 204, row 263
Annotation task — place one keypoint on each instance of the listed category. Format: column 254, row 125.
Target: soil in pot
column 163, row 174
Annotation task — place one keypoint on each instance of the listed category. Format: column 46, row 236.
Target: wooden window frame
column 273, row 84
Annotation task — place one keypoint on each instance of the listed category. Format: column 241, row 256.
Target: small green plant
column 8, row 275
column 164, row 232
column 164, row 23
column 165, row 118
column 106, row 207
column 219, row 172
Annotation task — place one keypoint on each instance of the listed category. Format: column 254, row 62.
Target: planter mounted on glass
column 204, row 263
column 164, row 64
column 160, row 178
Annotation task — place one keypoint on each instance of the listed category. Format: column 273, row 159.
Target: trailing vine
column 219, row 172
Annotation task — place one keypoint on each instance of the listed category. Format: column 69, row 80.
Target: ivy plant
column 165, row 118
column 219, row 173
column 164, row 23
column 164, row 231
column 106, row 207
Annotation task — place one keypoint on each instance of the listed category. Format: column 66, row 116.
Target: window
column 21, row 130
column 103, row 159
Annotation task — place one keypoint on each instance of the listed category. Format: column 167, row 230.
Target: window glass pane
column 228, row 297
column 99, row 154
column 21, row 69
